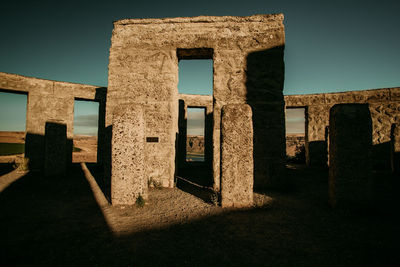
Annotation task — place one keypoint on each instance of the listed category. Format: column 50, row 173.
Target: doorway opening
column 194, row 150
column 195, row 134
column 86, row 118
column 295, row 123
column 13, row 106
column 195, row 71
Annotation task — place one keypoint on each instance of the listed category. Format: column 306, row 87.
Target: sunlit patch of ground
column 88, row 149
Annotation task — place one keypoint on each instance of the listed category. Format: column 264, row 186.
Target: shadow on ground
column 56, row 221
column 6, row 168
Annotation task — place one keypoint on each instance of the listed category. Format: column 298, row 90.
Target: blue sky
column 195, row 77
column 331, row 46
column 295, row 121
column 86, row 114
column 12, row 112
column 195, row 121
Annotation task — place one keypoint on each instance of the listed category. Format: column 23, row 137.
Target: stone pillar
column 127, row 170
column 350, row 143
column 327, row 144
column 395, row 148
column 236, row 156
column 55, row 148
column 317, row 118
column 208, row 139
column 101, row 95
column 182, row 124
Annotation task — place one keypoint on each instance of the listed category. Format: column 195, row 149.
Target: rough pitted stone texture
column 128, row 181
column 350, row 142
column 236, row 156
column 55, row 149
column 384, row 105
column 395, row 148
column 247, row 53
column 50, row 101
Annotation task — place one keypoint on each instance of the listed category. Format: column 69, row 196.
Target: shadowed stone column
column 395, row 148
column 127, row 173
column 350, row 142
column 236, row 156
column 55, row 161
column 182, row 125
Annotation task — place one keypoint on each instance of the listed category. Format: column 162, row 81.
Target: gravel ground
column 66, row 221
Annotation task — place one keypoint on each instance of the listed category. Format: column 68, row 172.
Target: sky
column 195, row 121
column 295, row 120
column 12, row 112
column 331, row 46
column 86, row 117
column 195, row 77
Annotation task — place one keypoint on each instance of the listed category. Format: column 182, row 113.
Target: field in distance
column 13, row 143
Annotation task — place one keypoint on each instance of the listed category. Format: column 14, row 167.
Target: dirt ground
column 12, row 137
column 88, row 146
column 66, row 221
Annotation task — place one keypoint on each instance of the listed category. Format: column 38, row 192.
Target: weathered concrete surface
column 384, row 106
column 247, row 53
column 350, row 142
column 55, row 149
column 128, row 169
column 265, row 76
column 395, row 148
column 236, row 156
column 49, row 101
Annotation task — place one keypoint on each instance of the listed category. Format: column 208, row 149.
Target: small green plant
column 140, row 201
column 21, row 164
column 214, row 198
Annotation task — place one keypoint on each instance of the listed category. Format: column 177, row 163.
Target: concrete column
column 182, row 124
column 317, row 118
column 350, row 143
column 55, row 149
column 395, row 148
column 237, row 156
column 127, row 150
column 208, row 129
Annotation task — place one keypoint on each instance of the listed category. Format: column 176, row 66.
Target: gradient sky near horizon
column 331, row 46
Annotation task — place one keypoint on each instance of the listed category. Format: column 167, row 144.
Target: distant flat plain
column 12, row 145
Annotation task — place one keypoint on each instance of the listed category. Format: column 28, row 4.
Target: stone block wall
column 247, row 55
column 384, row 106
column 395, row 148
column 49, row 101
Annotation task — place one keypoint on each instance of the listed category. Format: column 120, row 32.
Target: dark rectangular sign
column 152, row 139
